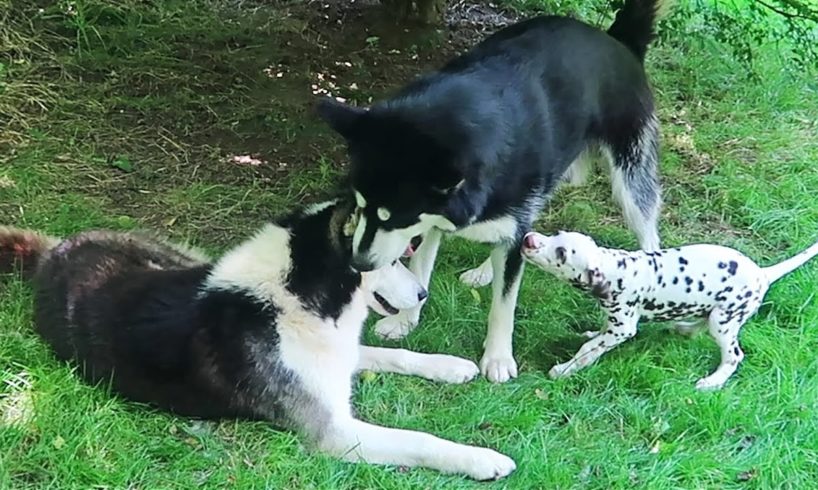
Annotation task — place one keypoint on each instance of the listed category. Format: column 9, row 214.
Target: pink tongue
column 409, row 251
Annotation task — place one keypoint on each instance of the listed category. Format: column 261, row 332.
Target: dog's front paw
column 484, row 464
column 479, row 276
column 498, row 368
column 450, row 369
column 561, row 370
column 395, row 327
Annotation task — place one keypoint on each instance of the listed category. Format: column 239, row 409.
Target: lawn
column 129, row 114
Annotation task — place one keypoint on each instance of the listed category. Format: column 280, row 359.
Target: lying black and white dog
column 477, row 147
column 704, row 282
column 268, row 331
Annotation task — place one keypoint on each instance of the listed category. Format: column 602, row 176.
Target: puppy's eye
column 394, row 262
column 384, row 214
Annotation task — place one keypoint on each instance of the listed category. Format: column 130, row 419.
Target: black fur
column 165, row 338
column 507, row 119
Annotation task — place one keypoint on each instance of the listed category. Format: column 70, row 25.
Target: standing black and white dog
column 704, row 282
column 269, row 331
column 477, row 147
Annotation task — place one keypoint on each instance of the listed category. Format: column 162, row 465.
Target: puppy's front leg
column 354, row 440
column 498, row 364
column 436, row 367
column 421, row 264
column 621, row 327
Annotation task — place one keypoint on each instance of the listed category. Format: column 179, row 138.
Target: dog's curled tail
column 781, row 269
column 20, row 250
column 634, row 25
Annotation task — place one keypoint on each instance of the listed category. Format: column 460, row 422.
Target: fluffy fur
column 477, row 147
column 268, row 331
column 705, row 282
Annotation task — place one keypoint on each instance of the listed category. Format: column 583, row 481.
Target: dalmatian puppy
column 698, row 282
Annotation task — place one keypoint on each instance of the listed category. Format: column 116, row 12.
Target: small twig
column 789, row 15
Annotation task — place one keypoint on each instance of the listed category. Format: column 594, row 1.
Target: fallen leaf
column 367, row 376
column 123, row 163
column 541, row 394
column 58, row 442
column 476, row 295
column 6, row 182
column 655, row 448
column 246, row 160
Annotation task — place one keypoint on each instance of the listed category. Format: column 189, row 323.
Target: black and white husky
column 477, row 147
column 268, row 331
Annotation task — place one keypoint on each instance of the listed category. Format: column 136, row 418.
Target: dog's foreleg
column 621, row 327
column 498, row 364
column 421, row 264
column 357, row 441
column 436, row 367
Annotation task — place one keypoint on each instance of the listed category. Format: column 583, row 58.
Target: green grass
column 173, row 89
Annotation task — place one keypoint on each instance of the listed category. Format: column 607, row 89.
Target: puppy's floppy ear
column 598, row 284
column 340, row 117
column 562, row 254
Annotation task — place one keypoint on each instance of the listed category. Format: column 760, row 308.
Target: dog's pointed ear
column 598, row 284
column 341, row 117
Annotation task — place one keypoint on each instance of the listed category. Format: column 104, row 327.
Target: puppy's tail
column 777, row 271
column 20, row 250
column 634, row 25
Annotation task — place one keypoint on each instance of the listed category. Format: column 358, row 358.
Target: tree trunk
column 424, row 12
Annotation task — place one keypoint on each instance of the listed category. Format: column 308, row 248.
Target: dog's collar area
column 385, row 304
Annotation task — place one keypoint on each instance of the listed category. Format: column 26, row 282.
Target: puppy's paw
column 395, row 327
column 498, row 368
column 710, row 383
column 479, row 276
column 484, row 464
column 590, row 333
column 561, row 370
column 449, row 369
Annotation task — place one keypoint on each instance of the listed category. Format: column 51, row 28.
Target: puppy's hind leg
column 421, row 264
column 636, row 184
column 724, row 326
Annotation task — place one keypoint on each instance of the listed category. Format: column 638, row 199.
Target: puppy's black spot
column 701, row 286
column 561, row 254
column 681, row 269
column 675, row 281
column 722, row 265
column 748, row 294
column 621, row 264
column 682, row 261
column 659, row 280
column 736, row 351
column 688, row 280
column 732, row 267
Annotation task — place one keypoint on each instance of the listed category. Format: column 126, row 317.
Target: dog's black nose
column 423, row 294
column 362, row 264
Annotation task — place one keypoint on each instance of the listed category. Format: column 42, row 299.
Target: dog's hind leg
column 357, row 441
column 479, row 276
column 579, row 170
column 421, row 264
column 498, row 364
column 436, row 367
column 636, row 184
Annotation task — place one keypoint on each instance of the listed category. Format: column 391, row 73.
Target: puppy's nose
column 423, row 294
column 530, row 240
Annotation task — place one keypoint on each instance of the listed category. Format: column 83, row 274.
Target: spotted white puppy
column 697, row 282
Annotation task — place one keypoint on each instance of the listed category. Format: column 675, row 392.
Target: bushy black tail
column 20, row 250
column 634, row 24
